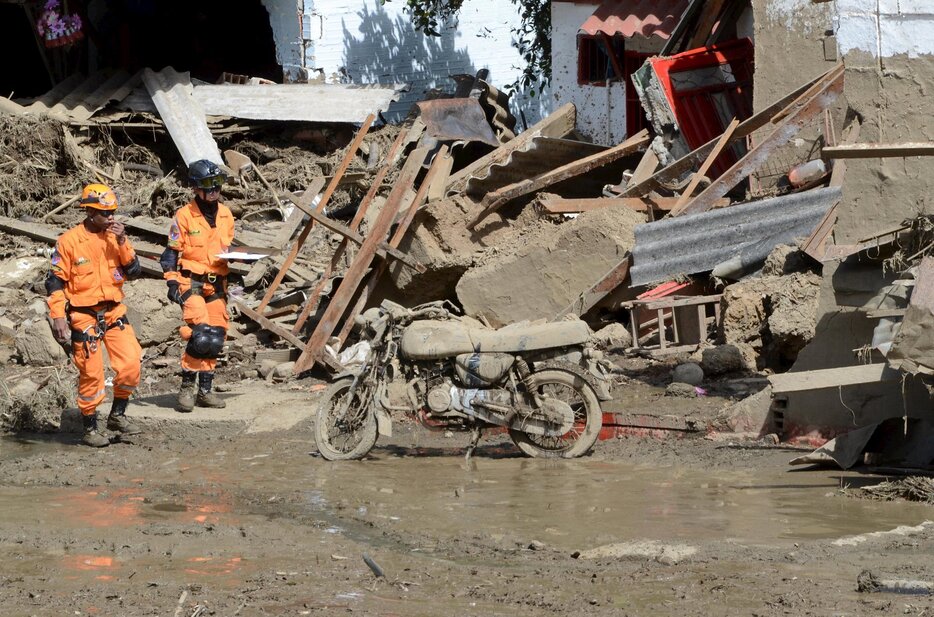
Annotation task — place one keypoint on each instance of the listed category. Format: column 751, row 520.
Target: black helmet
column 205, row 174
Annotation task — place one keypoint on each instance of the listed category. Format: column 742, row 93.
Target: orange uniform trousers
column 125, row 358
column 197, row 311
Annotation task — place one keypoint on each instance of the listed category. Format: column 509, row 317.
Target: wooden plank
column 832, row 378
column 816, row 244
column 382, row 251
column 297, row 245
column 353, row 276
column 437, row 188
column 839, row 166
column 311, row 304
column 665, row 303
column 554, row 204
column 885, row 313
column 268, row 324
column 870, row 151
column 705, row 24
column 599, row 290
column 559, row 123
column 707, row 164
column 498, row 198
column 672, row 172
column 800, row 116
column 437, row 169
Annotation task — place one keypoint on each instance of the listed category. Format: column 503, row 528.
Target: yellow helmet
column 99, row 197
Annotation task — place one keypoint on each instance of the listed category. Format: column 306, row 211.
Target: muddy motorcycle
column 543, row 382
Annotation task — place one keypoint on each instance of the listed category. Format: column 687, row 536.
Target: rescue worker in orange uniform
column 197, row 280
column 85, row 291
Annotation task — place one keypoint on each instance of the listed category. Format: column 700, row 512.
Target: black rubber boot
column 186, row 395
column 206, row 398
column 92, row 436
column 117, row 420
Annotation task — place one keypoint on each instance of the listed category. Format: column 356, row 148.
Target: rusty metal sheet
column 456, row 120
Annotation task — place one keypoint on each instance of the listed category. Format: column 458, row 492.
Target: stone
column 267, row 367
column 539, row 274
column 722, row 359
column 284, row 370
column 536, row 545
column 689, row 373
column 681, row 390
column 24, row 389
column 613, row 336
column 36, row 346
column 154, row 319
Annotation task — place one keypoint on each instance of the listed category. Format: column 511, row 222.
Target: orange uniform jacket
column 91, row 267
column 197, row 243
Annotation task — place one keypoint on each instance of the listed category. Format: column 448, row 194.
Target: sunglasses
column 104, row 213
column 213, row 182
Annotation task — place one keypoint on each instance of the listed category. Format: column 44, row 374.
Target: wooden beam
column 438, row 168
column 295, row 219
column 870, row 151
column 498, row 198
column 554, row 204
column 832, row 378
column 268, row 324
column 297, row 245
column 673, row 172
column 707, row 164
column 353, row 276
column 839, row 166
column 382, row 251
column 802, row 114
column 599, row 290
column 705, row 24
column 559, row 123
column 311, row 304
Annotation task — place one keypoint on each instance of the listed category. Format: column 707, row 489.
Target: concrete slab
column 256, row 407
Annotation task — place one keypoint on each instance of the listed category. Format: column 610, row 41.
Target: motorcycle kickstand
column 475, row 434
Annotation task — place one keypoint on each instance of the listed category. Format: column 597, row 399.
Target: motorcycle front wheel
column 588, row 417
column 344, row 436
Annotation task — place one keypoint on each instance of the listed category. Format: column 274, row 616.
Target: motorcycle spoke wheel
column 344, row 436
column 588, row 417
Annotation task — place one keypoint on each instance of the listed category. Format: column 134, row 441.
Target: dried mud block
column 612, row 336
column 773, row 316
column 154, row 319
column 543, row 271
column 750, row 415
column 36, row 346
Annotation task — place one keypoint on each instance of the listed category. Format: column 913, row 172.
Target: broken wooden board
column 498, row 198
column 832, row 378
column 553, row 204
column 871, row 151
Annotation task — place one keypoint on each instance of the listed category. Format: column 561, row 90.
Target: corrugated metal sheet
column 78, row 98
column 541, row 154
column 744, row 234
column 302, row 102
column 635, row 17
column 182, row 115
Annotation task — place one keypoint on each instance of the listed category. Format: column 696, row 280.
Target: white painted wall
column 364, row 42
column 601, row 110
column 885, row 28
column 285, row 19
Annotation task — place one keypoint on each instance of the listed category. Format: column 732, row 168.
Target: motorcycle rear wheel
column 588, row 417
column 350, row 437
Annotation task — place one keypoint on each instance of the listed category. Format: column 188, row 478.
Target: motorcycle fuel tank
column 477, row 370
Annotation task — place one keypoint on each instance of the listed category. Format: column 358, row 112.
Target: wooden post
column 297, row 246
column 353, row 276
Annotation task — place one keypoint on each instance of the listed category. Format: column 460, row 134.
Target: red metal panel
column 706, row 88
column 631, row 17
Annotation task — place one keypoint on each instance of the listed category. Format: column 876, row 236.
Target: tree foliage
column 532, row 35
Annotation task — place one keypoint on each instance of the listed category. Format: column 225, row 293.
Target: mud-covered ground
column 200, row 517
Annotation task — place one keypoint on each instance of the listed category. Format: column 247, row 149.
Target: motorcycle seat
column 433, row 340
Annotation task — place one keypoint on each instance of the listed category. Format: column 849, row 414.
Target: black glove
column 173, row 294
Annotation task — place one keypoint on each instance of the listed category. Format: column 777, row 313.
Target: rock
column 535, row 545
column 683, row 390
column 7, row 327
column 286, row 369
column 267, row 367
column 154, row 319
column 689, row 373
column 752, row 414
column 647, row 550
column 248, row 373
column 37, row 309
column 21, row 273
column 36, row 346
column 24, row 389
column 539, row 274
column 722, row 359
column 614, row 335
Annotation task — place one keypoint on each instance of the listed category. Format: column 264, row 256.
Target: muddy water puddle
column 579, row 504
